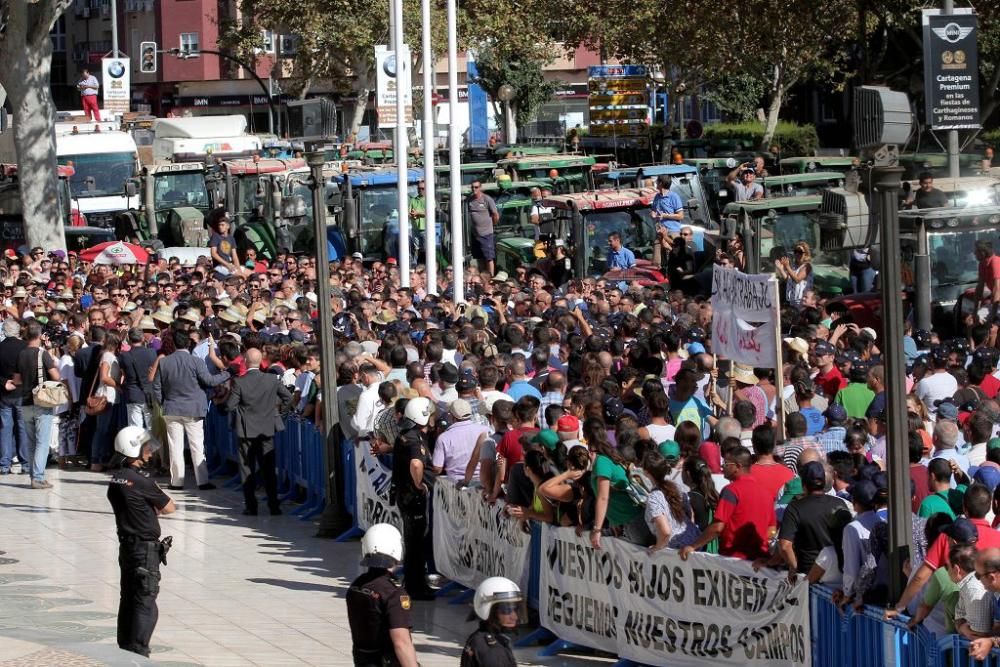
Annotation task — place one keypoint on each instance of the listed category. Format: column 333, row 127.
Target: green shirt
column 855, row 397
column 941, row 588
column 418, row 205
column 948, row 502
column 621, row 509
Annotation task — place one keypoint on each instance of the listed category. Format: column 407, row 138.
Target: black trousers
column 414, row 514
column 257, row 456
column 140, row 583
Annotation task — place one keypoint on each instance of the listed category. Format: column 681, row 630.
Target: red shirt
column 772, row 477
column 510, row 447
column 990, row 385
column 747, row 513
column 920, row 478
column 989, row 271
column 831, row 382
column 937, row 555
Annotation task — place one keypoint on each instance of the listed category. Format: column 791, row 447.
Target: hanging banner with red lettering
column 661, row 610
column 745, row 317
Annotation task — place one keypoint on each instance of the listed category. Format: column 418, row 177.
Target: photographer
column 742, row 181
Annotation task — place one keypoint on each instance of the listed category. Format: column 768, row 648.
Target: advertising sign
column 387, row 82
column 951, row 70
column 618, row 100
column 116, row 84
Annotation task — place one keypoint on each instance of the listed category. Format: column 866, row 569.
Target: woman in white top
column 798, row 277
column 69, row 416
column 109, row 377
column 668, row 513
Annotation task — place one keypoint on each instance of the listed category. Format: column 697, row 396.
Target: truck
column 685, row 181
column 368, row 202
column 201, row 138
column 12, row 214
column 103, row 160
column 174, row 200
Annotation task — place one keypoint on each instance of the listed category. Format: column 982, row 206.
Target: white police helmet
column 419, row 411
column 130, row 440
column 492, row 591
column 382, row 546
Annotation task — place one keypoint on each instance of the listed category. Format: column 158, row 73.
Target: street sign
column 618, row 101
column 116, row 84
column 387, row 64
column 610, row 71
column 951, row 70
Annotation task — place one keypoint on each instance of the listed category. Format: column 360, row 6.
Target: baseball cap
column 696, row 348
column 466, row 383
column 813, row 475
column 568, row 424
column 670, row 450
column 946, row 409
column 962, row 531
column 836, row 413
column 613, row 409
column 824, row 348
column 988, row 476
column 357, row 255
column 547, row 438
column 460, row 409
column 391, row 260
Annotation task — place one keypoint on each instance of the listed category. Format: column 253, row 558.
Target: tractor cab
column 685, row 181
column 563, row 173
column 815, row 163
column 175, row 198
column 798, row 185
column 963, row 192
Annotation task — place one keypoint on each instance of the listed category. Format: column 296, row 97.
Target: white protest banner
column 374, row 479
column 474, row 540
column 745, row 317
column 660, row 610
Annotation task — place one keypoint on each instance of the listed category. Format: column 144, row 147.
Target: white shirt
column 936, row 387
column 302, row 384
column 363, row 420
column 89, row 81
column 977, row 454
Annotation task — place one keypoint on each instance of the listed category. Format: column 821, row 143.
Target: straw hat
column 147, row 324
column 165, row 314
column 191, row 315
column 384, row 317
column 66, row 295
column 743, row 373
column 797, row 344
column 224, row 302
column 231, row 315
column 20, row 293
column 129, row 307
column 259, row 316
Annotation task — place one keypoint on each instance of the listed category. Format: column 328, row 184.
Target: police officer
column 137, row 501
column 378, row 607
column 495, row 604
column 411, row 483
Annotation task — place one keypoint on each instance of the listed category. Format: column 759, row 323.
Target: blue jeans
column 38, row 433
column 102, row 446
column 863, row 281
column 12, row 442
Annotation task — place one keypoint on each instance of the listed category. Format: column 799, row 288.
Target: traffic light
column 147, row 57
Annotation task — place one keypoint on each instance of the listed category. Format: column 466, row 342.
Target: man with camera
column 743, row 183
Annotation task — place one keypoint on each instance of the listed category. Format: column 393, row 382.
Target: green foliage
column 991, row 137
column 738, row 94
column 525, row 75
column 794, row 139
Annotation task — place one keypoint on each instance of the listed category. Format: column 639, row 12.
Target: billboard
column 951, row 70
column 116, row 84
column 387, row 65
column 618, row 101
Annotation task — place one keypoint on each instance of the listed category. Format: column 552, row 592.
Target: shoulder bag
column 48, row 393
column 95, row 404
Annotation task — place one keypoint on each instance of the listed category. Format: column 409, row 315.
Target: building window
column 58, row 35
column 267, row 37
column 289, row 46
column 189, row 42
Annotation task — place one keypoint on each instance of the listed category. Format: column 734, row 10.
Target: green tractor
column 175, row 200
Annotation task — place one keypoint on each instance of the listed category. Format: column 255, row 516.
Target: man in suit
column 179, row 386
column 259, row 400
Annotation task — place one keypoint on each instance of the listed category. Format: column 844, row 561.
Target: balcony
column 90, row 53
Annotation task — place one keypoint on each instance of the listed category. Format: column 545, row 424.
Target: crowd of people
column 591, row 404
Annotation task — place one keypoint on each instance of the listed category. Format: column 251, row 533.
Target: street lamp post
column 334, row 520
column 272, row 110
column 430, row 212
column 454, row 160
column 506, row 94
column 402, row 182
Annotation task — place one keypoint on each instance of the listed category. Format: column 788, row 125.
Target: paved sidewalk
column 236, row 591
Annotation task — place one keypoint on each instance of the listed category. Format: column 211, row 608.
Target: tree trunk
column 773, row 111
column 25, row 70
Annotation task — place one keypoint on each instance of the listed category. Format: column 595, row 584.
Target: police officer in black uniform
column 496, row 605
column 137, row 501
column 411, row 493
column 378, row 607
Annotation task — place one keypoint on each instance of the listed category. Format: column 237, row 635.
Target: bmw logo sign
column 116, row 69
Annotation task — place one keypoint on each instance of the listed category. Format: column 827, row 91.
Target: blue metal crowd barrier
column 298, row 459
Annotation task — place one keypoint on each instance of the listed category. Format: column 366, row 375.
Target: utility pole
column 430, row 213
column 334, row 520
column 953, row 165
column 114, row 29
column 402, row 182
column 454, row 159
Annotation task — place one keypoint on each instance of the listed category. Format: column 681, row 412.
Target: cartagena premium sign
column 951, row 70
